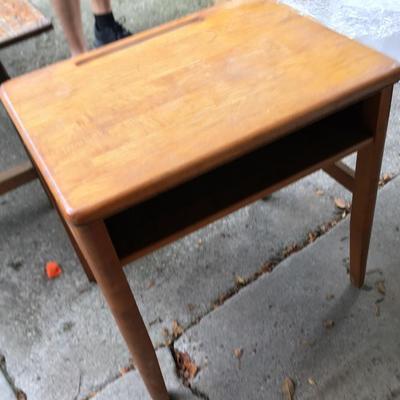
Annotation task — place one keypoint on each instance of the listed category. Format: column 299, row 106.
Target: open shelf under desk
column 185, row 208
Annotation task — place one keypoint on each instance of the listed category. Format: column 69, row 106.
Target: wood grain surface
column 118, row 125
column 19, row 19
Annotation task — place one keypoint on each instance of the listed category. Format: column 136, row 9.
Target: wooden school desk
column 152, row 137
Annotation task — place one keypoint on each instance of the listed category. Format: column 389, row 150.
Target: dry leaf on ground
column 186, row 367
column 240, row 281
column 340, row 203
column 167, row 336
column 329, row 323
column 177, row 330
column 238, row 353
column 151, row 284
column 380, row 287
column 288, row 388
column 312, row 382
column 21, row 395
column 124, row 370
column 385, row 179
column 311, row 237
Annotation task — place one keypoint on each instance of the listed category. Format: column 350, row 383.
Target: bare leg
column 101, row 6
column 69, row 13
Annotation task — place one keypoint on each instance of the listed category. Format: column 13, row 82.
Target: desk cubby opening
column 185, row 208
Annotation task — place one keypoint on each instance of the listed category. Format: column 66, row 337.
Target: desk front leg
column 96, row 245
column 369, row 160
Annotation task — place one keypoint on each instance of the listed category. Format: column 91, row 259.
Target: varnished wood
column 183, row 102
column 16, row 176
column 194, row 204
column 97, row 248
column 20, row 20
column 342, row 173
column 78, row 251
column 3, row 73
column 368, row 167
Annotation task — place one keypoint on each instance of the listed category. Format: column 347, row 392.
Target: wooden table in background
column 19, row 20
column 152, row 137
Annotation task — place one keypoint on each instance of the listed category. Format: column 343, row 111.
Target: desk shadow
column 321, row 346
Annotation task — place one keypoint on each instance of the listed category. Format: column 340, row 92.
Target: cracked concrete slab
column 279, row 322
column 58, row 336
column 61, row 333
column 130, row 385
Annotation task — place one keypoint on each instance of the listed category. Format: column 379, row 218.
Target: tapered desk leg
column 84, row 263
column 3, row 73
column 369, row 159
column 99, row 251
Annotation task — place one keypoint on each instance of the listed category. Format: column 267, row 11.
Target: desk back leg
column 84, row 263
column 78, row 252
column 369, row 160
column 3, row 73
column 98, row 250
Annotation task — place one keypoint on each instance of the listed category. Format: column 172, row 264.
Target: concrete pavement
column 282, row 324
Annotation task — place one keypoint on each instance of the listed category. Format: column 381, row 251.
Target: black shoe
column 109, row 34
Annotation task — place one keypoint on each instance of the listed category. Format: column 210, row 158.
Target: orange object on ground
column 53, row 270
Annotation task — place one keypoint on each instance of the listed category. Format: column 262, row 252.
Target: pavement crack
column 97, row 389
column 271, row 264
column 267, row 267
column 197, row 393
column 79, row 386
column 19, row 394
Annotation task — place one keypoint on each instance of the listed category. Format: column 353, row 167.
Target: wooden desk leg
column 3, row 73
column 84, row 263
column 99, row 251
column 369, row 159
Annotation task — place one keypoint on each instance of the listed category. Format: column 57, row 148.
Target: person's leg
column 101, row 6
column 69, row 13
column 103, row 16
column 106, row 29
